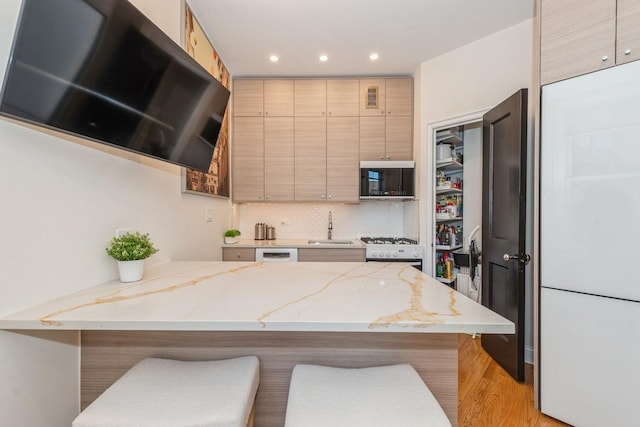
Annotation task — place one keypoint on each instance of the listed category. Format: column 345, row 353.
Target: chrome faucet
column 330, row 227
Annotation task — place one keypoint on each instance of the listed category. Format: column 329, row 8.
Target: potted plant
column 230, row 236
column 130, row 250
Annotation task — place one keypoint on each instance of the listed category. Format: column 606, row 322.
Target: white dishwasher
column 277, row 254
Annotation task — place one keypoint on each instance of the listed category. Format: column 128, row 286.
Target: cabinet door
column 278, row 158
column 576, row 37
column 343, row 168
column 372, row 138
column 372, row 97
column 247, row 97
column 310, row 98
column 248, row 159
column 278, row 97
column 628, row 38
column 238, row 254
column 310, row 158
column 331, row 255
column 342, row 97
column 398, row 138
column 399, row 97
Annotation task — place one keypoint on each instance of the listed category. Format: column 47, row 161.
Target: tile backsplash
column 311, row 220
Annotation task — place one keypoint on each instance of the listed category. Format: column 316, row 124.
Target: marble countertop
column 294, row 243
column 256, row 296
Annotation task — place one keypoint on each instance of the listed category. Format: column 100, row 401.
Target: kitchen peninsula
column 340, row 314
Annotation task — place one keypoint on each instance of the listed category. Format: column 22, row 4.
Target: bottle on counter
column 440, row 267
column 448, row 266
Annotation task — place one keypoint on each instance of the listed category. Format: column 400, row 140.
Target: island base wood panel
column 107, row 355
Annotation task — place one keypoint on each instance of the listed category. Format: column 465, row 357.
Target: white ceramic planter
column 229, row 240
column 131, row 271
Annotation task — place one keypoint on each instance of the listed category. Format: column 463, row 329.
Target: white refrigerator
column 590, row 248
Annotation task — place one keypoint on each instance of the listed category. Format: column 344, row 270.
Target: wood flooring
column 489, row 397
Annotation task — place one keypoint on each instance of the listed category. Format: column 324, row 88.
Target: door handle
column 524, row 258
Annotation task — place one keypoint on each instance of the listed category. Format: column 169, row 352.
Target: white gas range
column 393, row 249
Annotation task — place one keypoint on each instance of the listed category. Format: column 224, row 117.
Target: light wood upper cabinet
column 310, row 98
column 342, row 97
column 386, row 138
column 398, row 138
column 372, row 137
column 278, row 158
column 278, row 97
column 387, row 134
column 248, row 159
column 576, row 37
column 399, row 97
column 310, row 158
column 248, row 97
column 343, row 172
column 372, row 97
column 288, row 147
column 628, row 27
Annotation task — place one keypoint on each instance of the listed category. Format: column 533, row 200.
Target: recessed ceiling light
column 324, row 58
column 373, row 56
column 274, row 58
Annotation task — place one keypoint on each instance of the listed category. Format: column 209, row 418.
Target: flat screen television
column 101, row 70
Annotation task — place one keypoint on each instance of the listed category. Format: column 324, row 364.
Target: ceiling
column 404, row 33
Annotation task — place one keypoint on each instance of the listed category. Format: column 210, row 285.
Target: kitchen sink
column 330, row 242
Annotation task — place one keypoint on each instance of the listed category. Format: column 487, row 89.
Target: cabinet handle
column 266, row 197
column 388, row 157
column 605, row 58
column 627, row 52
column 389, row 112
column 329, row 112
column 382, row 112
column 322, row 197
column 259, row 113
column 381, row 157
column 238, row 256
column 329, row 197
column 323, row 113
column 266, row 113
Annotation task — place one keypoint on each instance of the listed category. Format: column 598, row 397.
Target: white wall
column 62, row 199
column 474, row 78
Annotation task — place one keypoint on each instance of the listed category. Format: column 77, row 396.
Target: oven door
column 415, row 263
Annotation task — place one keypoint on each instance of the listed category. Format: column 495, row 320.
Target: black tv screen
column 100, row 69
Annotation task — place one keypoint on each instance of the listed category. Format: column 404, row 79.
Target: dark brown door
column 504, row 130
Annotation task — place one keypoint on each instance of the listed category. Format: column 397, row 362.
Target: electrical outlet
column 120, row 231
column 208, row 215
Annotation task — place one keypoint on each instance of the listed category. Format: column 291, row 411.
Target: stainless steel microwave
column 387, row 179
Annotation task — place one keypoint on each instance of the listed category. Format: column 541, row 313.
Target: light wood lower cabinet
column 331, row 255
column 238, row 254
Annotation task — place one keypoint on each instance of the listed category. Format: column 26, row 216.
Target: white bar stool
column 383, row 396
column 172, row 393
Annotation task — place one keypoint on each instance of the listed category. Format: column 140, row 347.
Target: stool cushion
column 383, row 396
column 172, row 393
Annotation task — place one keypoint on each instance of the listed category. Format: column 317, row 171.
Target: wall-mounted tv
column 100, row 69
